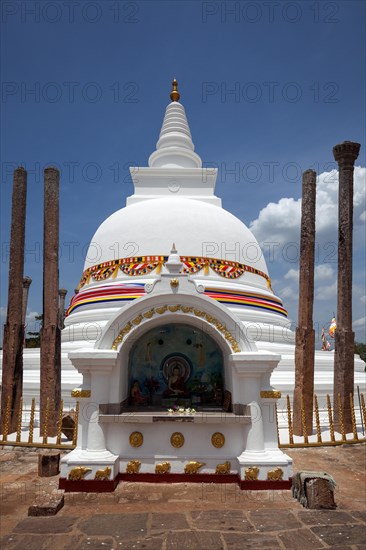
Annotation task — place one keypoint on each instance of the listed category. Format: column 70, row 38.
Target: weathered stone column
column 61, row 313
column 345, row 154
column 27, row 281
column 12, row 376
column 50, row 332
column 305, row 334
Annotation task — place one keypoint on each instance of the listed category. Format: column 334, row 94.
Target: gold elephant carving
column 193, row 467
column 223, row 468
column 275, row 475
column 78, row 473
column 103, row 474
column 133, row 467
column 162, row 468
column 251, row 473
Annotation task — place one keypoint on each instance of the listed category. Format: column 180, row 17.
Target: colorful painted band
column 142, row 265
column 130, row 291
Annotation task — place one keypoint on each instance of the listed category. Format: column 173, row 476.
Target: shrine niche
column 175, row 364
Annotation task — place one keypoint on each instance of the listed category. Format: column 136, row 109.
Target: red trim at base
column 265, row 485
column 180, row 478
column 107, row 486
column 88, row 485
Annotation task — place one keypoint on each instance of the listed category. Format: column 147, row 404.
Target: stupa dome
column 197, row 228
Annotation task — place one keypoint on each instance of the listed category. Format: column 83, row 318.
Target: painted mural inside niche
column 175, row 364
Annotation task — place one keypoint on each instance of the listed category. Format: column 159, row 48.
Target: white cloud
column 324, row 272
column 363, row 299
column 280, row 222
column 326, row 292
column 292, row 274
column 360, row 322
column 288, row 294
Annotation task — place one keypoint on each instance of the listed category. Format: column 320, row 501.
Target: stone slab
column 300, row 538
column 93, row 544
column 360, row 515
column 236, row 541
column 325, row 517
column 46, row 505
column 167, row 522
column 124, row 526
column 150, row 543
column 28, row 542
column 230, row 520
column 273, row 520
column 344, row 535
column 45, row 525
column 191, row 540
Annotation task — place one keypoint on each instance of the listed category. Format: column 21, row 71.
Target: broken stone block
column 48, row 464
column 68, row 425
column 46, row 505
column 320, row 494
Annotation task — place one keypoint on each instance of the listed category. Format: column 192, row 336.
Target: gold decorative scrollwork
column 177, row 440
column 137, row 320
column 174, row 283
column 218, row 440
column 136, row 439
column 270, row 394
column 174, row 308
column 149, row 314
column 161, row 310
column 80, row 393
column 198, row 313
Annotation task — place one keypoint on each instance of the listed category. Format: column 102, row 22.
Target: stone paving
column 186, row 515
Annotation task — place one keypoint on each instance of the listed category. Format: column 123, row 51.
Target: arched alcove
column 175, row 364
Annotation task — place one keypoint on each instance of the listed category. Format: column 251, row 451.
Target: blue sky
column 268, row 87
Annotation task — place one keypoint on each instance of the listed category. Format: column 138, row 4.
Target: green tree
column 33, row 339
column 360, row 349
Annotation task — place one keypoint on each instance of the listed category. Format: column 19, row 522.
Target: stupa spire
column 174, row 94
column 175, row 148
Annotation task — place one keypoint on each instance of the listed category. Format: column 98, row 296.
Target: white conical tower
column 175, row 148
column 174, row 170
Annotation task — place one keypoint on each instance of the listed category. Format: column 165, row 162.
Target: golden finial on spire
column 174, row 94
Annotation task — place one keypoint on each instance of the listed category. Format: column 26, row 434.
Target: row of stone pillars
column 53, row 305
column 345, row 154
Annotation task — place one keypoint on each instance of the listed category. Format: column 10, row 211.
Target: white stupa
column 156, row 325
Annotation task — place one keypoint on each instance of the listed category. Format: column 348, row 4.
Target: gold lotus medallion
column 177, row 440
column 136, row 439
column 218, row 440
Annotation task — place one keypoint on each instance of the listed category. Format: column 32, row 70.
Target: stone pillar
column 305, row 334
column 12, row 375
column 27, row 281
column 345, row 154
column 61, row 313
column 50, row 332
